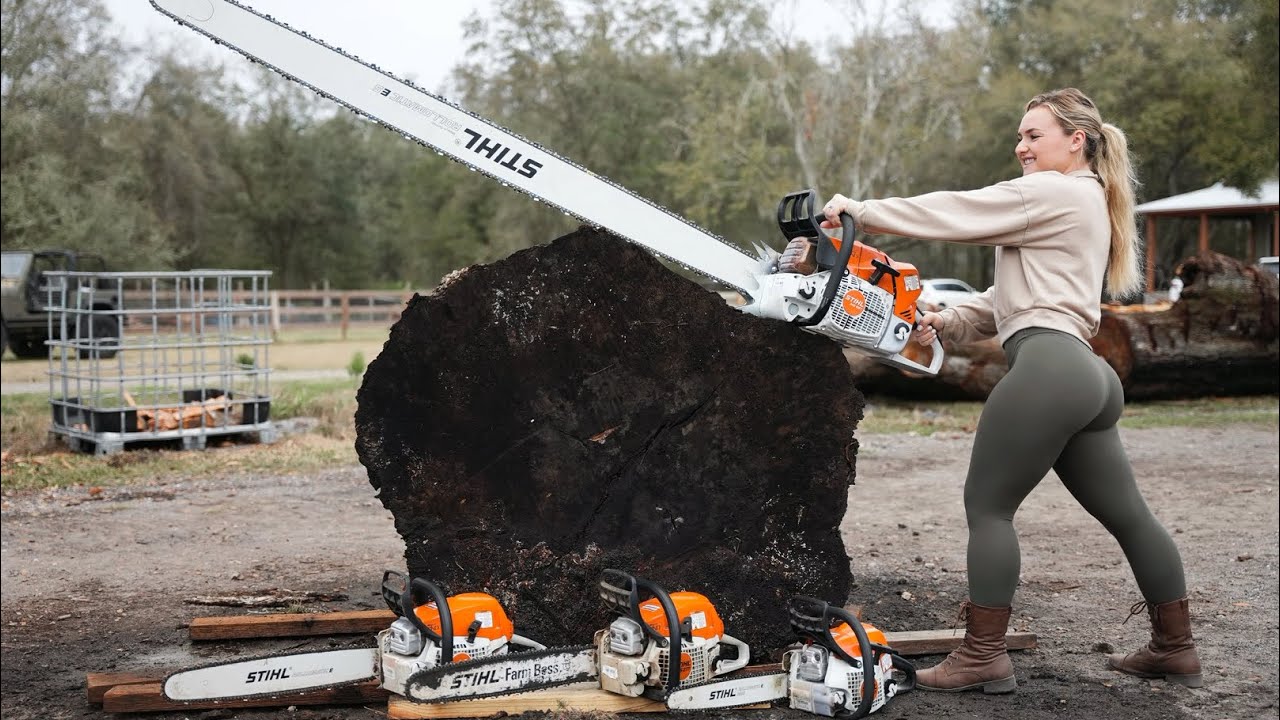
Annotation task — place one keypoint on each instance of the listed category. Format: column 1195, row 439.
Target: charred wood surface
column 579, row 406
column 1219, row 338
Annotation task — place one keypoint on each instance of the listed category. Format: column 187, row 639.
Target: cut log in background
column 578, row 406
column 1219, row 338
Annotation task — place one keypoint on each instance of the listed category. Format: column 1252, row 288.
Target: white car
column 940, row 293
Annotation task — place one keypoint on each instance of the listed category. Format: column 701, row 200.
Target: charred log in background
column 578, row 406
column 1220, row 338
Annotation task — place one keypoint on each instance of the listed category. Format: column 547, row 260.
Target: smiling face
column 1044, row 145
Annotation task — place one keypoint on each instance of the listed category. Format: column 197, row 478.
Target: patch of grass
column 888, row 415
column 355, row 368
column 1260, row 410
column 892, row 416
column 35, row 461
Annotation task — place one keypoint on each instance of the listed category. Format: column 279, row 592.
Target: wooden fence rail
column 283, row 309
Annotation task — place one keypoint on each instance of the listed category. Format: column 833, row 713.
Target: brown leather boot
column 1171, row 654
column 981, row 661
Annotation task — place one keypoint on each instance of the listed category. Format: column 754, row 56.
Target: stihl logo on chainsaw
column 498, row 153
column 267, row 675
column 506, row 675
column 726, row 694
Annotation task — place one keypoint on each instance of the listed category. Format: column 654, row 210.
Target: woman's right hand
column 928, row 328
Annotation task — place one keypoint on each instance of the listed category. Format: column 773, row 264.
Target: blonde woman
column 1064, row 232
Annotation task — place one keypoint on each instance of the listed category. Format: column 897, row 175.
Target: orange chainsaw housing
column 848, row 641
column 686, row 604
column 464, row 608
column 905, row 286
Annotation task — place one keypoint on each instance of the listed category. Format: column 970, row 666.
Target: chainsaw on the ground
column 430, row 630
column 859, row 297
column 843, row 663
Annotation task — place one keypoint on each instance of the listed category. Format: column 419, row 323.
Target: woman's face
column 1044, row 145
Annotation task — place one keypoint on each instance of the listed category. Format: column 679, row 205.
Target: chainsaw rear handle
column 796, row 218
column 419, row 592
column 813, row 618
column 621, row 592
column 901, row 362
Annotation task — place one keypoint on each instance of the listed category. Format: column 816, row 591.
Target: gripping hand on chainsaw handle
column 836, row 205
column 928, row 328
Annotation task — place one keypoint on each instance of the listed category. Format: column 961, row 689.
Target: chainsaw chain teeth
column 420, row 677
column 486, row 121
column 265, row 656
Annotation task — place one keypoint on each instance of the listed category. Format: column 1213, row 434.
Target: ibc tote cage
column 158, row 356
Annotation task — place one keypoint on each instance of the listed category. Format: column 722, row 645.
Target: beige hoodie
column 1052, row 238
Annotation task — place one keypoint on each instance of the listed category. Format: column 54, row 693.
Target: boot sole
column 1193, row 680
column 989, row 687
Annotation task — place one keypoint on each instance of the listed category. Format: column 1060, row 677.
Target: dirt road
column 97, row 582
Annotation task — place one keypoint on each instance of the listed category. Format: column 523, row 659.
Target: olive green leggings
column 1057, row 408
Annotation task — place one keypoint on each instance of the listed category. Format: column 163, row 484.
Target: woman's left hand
column 836, row 205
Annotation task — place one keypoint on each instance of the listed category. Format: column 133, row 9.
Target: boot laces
column 1138, row 608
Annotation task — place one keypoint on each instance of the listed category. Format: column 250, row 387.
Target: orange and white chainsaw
column 430, row 630
column 842, row 664
column 859, row 298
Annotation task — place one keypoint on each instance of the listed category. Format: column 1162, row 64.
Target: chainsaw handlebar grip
column 621, row 592
column 419, row 592
column 838, row 271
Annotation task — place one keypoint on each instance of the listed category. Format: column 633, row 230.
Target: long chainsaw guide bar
column 465, row 137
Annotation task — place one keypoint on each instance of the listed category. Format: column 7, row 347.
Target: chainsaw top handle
column 813, row 619
column 796, row 218
column 621, row 592
column 419, row 592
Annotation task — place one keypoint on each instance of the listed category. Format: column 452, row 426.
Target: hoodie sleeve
column 994, row 215
column 971, row 321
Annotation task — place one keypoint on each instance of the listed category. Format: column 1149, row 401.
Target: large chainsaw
column 859, row 298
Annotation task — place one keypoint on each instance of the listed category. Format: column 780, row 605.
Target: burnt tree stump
column 1220, row 338
column 578, row 406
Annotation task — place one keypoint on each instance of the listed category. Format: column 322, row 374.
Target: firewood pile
column 212, row 412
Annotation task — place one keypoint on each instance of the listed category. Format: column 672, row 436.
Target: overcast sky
column 420, row 40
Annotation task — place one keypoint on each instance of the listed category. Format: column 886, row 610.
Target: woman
column 1062, row 232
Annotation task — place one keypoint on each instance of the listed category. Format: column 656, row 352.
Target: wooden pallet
column 142, row 692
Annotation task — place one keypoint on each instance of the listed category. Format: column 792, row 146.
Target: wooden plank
column 587, row 699
column 940, row 642
column 97, row 684
column 240, row 627
column 149, row 697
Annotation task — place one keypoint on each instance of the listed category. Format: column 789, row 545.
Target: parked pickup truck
column 25, row 290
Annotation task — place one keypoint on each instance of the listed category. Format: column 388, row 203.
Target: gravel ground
column 97, row 581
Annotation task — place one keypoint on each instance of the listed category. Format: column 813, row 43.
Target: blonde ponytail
column 1113, row 165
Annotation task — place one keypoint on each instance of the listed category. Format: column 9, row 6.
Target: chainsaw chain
column 495, row 660
column 455, row 105
column 268, row 656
